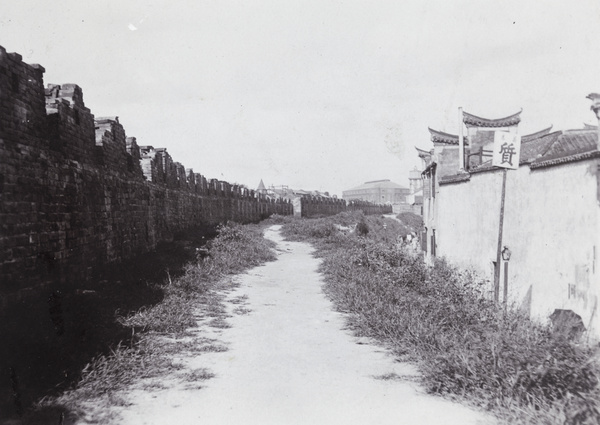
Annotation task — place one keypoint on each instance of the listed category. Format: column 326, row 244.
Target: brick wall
column 77, row 193
column 312, row 206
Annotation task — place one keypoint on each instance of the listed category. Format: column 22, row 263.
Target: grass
column 219, row 323
column 412, row 220
column 465, row 345
column 198, row 375
column 162, row 329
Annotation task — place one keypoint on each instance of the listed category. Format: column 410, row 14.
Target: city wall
column 314, row 206
column 77, row 193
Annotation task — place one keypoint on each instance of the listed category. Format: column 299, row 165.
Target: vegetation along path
column 289, row 361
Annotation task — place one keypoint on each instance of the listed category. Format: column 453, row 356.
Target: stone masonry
column 77, row 193
column 316, row 206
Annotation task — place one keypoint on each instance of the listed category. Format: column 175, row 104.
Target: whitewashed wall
column 551, row 225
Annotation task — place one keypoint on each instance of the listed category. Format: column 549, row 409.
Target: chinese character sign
column 507, row 150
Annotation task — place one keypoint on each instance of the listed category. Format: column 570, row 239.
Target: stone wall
column 76, row 193
column 313, row 206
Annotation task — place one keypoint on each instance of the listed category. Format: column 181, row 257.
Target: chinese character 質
column 507, row 151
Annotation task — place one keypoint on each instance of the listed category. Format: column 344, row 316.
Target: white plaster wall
column 467, row 222
column 552, row 221
column 551, row 225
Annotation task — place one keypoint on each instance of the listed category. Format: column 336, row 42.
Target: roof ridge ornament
column 441, row 137
column 471, row 120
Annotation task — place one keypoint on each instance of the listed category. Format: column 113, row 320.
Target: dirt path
column 289, row 361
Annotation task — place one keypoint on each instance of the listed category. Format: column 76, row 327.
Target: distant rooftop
column 441, row 137
column 385, row 184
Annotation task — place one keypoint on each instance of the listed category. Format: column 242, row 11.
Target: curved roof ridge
column 532, row 136
column 471, row 120
column 441, row 137
column 432, row 131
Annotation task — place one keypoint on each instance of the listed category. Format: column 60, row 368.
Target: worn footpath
column 289, row 360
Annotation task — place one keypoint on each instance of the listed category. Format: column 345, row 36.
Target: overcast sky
column 320, row 95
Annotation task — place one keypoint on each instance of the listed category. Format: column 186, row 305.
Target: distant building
column 415, row 181
column 414, row 200
column 261, row 188
column 378, row 192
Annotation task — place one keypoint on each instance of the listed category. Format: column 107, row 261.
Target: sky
column 316, row 95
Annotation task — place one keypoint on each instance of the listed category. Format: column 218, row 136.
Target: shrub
column 362, row 229
column 278, row 219
column 411, row 220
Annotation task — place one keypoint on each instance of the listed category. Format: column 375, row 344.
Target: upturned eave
column 471, row 120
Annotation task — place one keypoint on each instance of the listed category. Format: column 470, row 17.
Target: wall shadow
column 48, row 337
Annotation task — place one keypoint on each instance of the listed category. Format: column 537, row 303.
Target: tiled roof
column 536, row 135
column 424, row 155
column 455, row 178
column 561, row 147
column 533, row 149
column 574, row 141
column 441, row 137
column 471, row 120
column 564, row 159
column 484, row 166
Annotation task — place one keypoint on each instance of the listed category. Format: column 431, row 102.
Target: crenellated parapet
column 226, row 189
column 180, row 179
column 56, row 118
column 76, row 193
column 70, row 123
column 151, row 163
column 203, row 183
column 368, row 207
column 314, row 206
column 72, row 93
column 134, row 157
column 23, row 114
column 169, row 168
